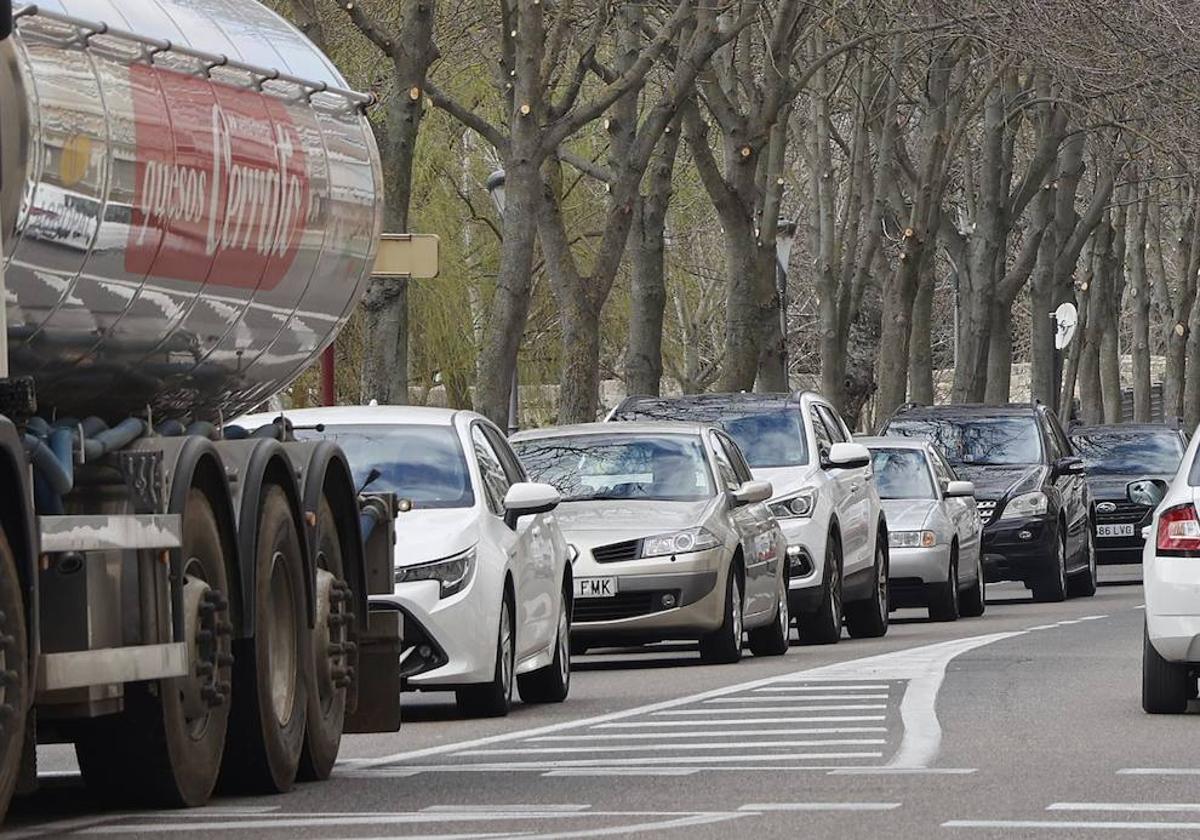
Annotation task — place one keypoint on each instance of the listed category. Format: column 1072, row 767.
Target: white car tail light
column 1179, row 531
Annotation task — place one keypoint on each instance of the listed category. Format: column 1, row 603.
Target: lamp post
column 785, row 237
column 495, row 187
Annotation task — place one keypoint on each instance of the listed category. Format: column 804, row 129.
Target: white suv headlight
column 1027, row 504
column 453, row 573
column 799, row 506
column 680, row 542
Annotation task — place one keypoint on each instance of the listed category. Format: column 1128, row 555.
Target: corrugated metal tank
column 188, row 233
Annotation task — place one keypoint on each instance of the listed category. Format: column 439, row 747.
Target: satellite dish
column 1066, row 319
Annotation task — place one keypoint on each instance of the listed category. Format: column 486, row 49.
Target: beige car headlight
column 680, row 542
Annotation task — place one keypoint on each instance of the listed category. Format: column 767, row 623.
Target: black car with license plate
column 1113, row 456
column 1029, row 486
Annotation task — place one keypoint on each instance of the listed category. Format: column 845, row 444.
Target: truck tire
column 332, row 653
column 14, row 674
column 270, row 693
column 166, row 748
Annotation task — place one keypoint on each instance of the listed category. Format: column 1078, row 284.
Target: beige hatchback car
column 671, row 536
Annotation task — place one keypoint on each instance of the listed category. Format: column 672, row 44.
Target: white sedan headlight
column 912, row 539
column 1027, row 504
column 799, row 506
column 680, row 542
column 453, row 573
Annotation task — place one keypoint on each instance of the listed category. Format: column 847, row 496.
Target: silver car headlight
column 1027, row 504
column 453, row 573
column 912, row 539
column 680, row 542
column 799, row 506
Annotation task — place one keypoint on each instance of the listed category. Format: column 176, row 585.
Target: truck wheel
column 869, row 619
column 552, row 683
column 270, row 695
column 332, row 652
column 14, row 674
column 167, row 747
column 824, row 627
column 1166, row 686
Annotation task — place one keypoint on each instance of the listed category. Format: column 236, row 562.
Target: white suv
column 1171, row 577
column 824, row 498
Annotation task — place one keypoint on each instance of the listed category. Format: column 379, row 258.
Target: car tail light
column 1179, row 530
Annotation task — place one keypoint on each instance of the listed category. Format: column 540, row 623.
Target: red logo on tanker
column 222, row 188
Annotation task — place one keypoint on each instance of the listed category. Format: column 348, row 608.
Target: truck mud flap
column 378, row 675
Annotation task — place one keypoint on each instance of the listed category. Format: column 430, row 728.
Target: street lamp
column 495, row 187
column 785, row 237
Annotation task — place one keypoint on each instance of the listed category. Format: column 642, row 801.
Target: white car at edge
column 483, row 575
column 1171, row 578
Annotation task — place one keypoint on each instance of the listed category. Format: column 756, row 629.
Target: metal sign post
column 400, row 256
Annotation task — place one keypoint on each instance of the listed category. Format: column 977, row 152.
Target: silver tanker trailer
column 190, row 207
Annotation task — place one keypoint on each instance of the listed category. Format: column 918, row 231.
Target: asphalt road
column 1024, row 723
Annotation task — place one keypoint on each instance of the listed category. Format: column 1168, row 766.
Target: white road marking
column 828, row 742
column 863, row 707
column 1159, row 771
column 743, row 721
column 739, row 733
column 1128, row 807
column 646, row 761
column 764, row 807
column 902, row 771
column 775, row 698
column 1043, row 627
column 60, row 827
column 492, row 809
column 828, row 687
column 623, row 771
column 901, row 665
column 1092, row 618
column 1075, row 825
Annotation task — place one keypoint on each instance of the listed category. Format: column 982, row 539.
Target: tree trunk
column 1173, row 373
column 580, row 362
column 920, row 353
column 742, row 310
column 1110, row 352
column 648, row 290
column 1139, row 304
column 1043, row 298
column 1000, row 350
column 510, row 302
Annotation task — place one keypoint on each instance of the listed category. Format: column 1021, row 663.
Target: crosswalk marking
column 862, row 707
column 826, row 687
column 745, row 721
column 1129, row 807
column 740, row 733
column 1159, row 771
column 1075, row 825
column 832, row 742
column 818, row 698
column 763, row 807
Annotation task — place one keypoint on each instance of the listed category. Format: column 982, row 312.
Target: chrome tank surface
column 193, row 230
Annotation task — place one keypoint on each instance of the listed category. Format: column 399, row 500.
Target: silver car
column 933, row 529
column 671, row 535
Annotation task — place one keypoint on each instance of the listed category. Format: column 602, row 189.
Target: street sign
column 1066, row 319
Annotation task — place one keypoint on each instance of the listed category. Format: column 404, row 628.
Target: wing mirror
column 527, row 498
column 1068, row 465
column 959, row 489
column 848, row 456
column 752, row 492
column 1146, row 491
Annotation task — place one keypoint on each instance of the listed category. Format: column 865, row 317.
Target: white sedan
column 1171, row 577
column 483, row 575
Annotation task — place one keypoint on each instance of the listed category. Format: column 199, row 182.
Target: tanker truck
column 190, row 207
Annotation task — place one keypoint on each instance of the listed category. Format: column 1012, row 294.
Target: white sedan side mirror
column 958, row 489
column 848, row 456
column 526, row 498
column 753, row 492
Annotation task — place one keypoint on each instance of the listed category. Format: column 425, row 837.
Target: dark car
column 1029, row 485
column 1114, row 456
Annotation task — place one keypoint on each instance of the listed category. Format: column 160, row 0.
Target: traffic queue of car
column 730, row 520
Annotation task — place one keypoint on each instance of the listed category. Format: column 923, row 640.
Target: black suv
column 1114, row 456
column 1029, row 486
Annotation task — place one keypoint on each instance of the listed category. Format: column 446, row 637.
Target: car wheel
column 552, row 683
column 1053, row 586
column 824, row 627
column 1083, row 584
column 973, row 602
column 943, row 597
column 773, row 639
column 494, row 699
column 868, row 619
column 1166, row 686
column 724, row 645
